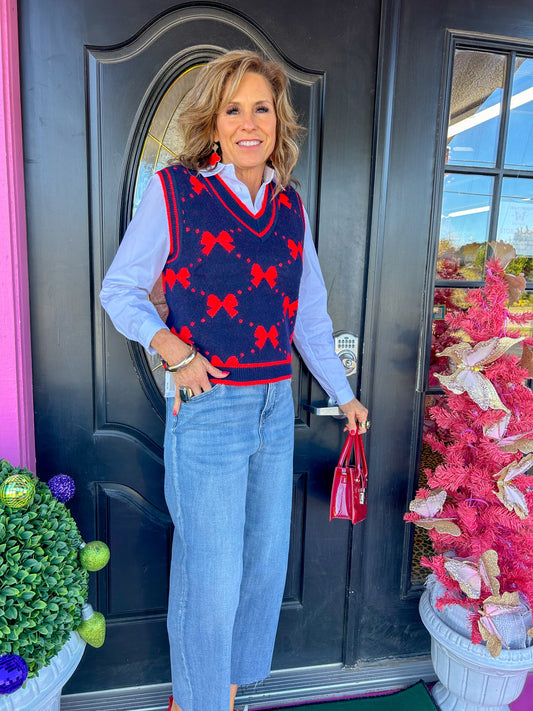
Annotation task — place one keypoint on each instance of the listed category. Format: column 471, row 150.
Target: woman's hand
column 195, row 375
column 356, row 413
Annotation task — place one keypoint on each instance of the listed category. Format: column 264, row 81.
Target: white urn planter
column 43, row 692
column 469, row 678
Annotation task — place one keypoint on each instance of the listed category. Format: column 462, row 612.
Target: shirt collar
column 227, row 172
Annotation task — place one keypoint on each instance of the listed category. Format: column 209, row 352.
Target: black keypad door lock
column 346, row 347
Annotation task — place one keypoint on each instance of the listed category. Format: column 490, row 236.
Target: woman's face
column 246, row 127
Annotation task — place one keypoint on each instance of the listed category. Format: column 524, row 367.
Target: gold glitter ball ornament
column 17, row 491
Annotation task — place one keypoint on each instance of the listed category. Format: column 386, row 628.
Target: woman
column 241, row 279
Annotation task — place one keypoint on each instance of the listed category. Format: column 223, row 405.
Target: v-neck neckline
column 258, row 224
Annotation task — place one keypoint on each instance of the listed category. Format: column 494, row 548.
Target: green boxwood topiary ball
column 43, row 583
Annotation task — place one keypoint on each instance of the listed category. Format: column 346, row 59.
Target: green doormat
column 415, row 698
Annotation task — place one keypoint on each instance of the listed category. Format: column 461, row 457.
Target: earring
column 214, row 158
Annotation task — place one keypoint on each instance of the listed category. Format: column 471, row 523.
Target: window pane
column 145, row 171
column 166, row 108
column 515, row 221
column 466, row 204
column 446, row 301
column 475, row 109
column 519, row 153
column 525, row 303
column 455, row 301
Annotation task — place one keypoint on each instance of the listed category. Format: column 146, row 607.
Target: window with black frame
column 487, row 196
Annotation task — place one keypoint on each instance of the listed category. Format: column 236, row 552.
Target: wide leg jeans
column 228, row 486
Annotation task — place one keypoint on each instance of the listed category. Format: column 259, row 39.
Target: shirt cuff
column 344, row 395
column 147, row 331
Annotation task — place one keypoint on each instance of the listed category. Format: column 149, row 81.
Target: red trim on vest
column 215, row 360
column 267, row 192
column 225, row 381
column 237, row 199
column 165, row 196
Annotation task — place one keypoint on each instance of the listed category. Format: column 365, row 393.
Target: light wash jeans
column 228, row 486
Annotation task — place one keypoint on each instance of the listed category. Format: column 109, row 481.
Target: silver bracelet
column 184, row 363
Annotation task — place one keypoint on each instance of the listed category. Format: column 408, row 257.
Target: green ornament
column 94, row 555
column 17, row 491
column 92, row 626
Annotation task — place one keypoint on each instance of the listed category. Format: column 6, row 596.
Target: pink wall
column 16, row 403
column 525, row 702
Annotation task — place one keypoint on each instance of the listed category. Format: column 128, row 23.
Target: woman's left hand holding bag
column 356, row 413
column 195, row 374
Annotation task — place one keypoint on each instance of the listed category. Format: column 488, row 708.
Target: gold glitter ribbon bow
column 471, row 360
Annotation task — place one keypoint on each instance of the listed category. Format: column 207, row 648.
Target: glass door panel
column 464, row 227
column 447, row 302
column 519, row 151
column 475, row 108
column 515, row 221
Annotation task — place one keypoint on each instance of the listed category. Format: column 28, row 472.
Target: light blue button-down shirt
column 143, row 253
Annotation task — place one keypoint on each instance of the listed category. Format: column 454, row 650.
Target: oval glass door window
column 163, row 145
column 161, row 148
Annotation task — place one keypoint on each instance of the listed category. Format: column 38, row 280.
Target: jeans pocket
column 188, row 409
column 202, row 396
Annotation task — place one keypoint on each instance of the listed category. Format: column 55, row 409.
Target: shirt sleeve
column 136, row 267
column 313, row 331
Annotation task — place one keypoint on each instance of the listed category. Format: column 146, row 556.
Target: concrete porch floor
column 308, row 685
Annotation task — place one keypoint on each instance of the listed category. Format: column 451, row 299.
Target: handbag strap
column 360, row 458
column 346, row 450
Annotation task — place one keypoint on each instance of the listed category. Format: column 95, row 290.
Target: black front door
column 101, row 83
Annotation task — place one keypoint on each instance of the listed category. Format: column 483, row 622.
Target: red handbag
column 348, row 493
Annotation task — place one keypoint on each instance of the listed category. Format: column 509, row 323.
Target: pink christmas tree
column 443, row 333
column 477, row 504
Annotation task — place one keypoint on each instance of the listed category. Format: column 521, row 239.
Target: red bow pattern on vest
column 224, row 239
column 284, row 200
column 232, row 361
column 228, row 303
column 270, row 275
column 197, row 186
column 296, row 249
column 289, row 306
column 170, row 277
column 262, row 336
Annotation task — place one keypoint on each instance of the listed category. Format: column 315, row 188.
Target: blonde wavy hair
column 220, row 78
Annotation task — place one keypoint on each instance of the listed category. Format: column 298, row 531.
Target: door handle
column 325, row 409
column 346, row 347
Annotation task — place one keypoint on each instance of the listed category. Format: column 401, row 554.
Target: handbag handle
column 354, row 441
column 360, row 458
column 346, row 450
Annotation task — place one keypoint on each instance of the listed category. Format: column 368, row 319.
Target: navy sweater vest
column 232, row 278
